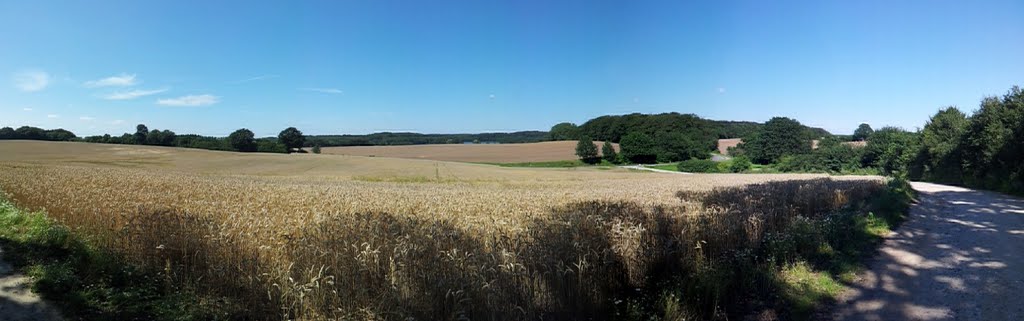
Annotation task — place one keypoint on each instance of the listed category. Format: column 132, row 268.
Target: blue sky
column 210, row 67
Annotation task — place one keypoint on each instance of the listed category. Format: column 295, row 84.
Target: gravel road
column 960, row 256
column 645, row 168
column 17, row 302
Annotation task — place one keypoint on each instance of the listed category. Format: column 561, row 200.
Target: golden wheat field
column 331, row 237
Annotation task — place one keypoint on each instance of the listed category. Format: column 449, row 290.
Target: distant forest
column 388, row 138
column 610, row 128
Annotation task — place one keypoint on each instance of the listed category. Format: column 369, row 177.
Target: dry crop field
column 314, row 237
column 477, row 153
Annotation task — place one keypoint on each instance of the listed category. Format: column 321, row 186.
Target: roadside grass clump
column 299, row 249
column 698, row 166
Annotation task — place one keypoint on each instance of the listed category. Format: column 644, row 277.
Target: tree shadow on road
column 957, row 257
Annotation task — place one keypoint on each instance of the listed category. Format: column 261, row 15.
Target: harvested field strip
column 476, row 153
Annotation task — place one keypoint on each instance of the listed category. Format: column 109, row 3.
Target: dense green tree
column 291, row 138
column 941, row 146
column 586, row 150
column 59, row 134
column 740, row 164
column 677, row 146
column 736, row 129
column 608, row 152
column 862, row 133
column 697, row 166
column 614, row 128
column 160, row 137
column 316, row 148
column 243, row 140
column 564, row 131
column 270, row 145
column 28, row 132
column 7, row 133
column 141, row 133
column 835, row 157
column 891, row 150
column 638, row 148
column 779, row 137
column 993, row 154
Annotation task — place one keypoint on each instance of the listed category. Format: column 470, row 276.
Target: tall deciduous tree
column 862, row 132
column 243, row 140
column 586, row 150
column 779, row 137
column 941, row 146
column 291, row 138
column 608, row 152
column 638, row 148
column 141, row 133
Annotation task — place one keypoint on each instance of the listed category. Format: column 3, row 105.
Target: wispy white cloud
column 262, row 77
column 122, row 80
column 52, row 116
column 333, row 91
column 190, row 101
column 126, row 95
column 27, row 109
column 117, row 122
column 86, row 118
column 31, row 80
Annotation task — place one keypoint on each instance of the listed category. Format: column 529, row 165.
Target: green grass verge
column 85, row 282
column 668, row 167
column 819, row 277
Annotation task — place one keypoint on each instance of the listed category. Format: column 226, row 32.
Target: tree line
column 241, row 140
column 983, row 150
column 660, row 138
column 36, row 133
column 389, row 138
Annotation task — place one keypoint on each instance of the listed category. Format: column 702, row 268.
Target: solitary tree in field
column 141, row 132
column 316, row 148
column 242, row 140
column 586, row 150
column 608, row 152
column 291, row 138
column 862, row 132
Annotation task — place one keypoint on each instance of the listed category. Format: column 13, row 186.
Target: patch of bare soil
column 17, row 302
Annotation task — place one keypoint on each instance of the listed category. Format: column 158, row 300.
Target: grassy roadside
column 844, row 244
column 86, row 282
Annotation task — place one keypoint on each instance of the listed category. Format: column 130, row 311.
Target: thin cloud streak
column 263, row 77
column 122, row 80
column 333, row 91
column 127, row 95
column 190, row 101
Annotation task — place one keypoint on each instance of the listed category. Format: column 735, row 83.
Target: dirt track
column 17, row 302
column 960, row 256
